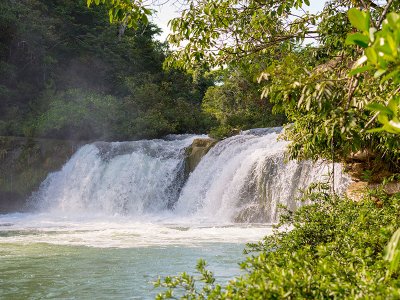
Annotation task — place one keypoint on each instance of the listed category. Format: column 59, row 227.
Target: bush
column 333, row 249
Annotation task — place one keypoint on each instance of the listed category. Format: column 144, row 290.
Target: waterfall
column 245, row 177
column 241, row 179
column 120, row 178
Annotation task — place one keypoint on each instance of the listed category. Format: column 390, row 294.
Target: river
column 118, row 215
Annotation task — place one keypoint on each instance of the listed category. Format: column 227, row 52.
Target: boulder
column 196, row 151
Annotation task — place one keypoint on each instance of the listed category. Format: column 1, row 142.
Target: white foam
column 120, row 232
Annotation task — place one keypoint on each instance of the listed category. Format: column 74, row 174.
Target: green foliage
column 188, row 283
column 236, row 104
column 219, row 32
column 381, row 55
column 77, row 114
column 127, row 12
column 75, row 75
column 329, row 249
column 392, row 252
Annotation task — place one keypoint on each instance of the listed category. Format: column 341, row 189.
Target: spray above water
column 241, row 179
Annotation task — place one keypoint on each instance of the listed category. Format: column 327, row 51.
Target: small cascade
column 245, row 177
column 241, row 179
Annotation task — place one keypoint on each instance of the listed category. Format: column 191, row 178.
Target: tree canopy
column 305, row 64
column 66, row 72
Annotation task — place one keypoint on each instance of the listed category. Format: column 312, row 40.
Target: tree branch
column 384, row 13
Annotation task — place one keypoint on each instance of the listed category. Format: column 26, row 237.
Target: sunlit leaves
column 381, row 57
column 215, row 33
column 333, row 250
column 382, row 47
column 359, row 19
column 358, row 39
column 392, row 252
column 388, row 115
column 127, row 12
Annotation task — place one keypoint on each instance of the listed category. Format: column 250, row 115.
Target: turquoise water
column 43, row 257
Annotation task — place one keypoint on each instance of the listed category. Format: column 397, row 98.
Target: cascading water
column 122, row 178
column 241, row 179
column 245, row 177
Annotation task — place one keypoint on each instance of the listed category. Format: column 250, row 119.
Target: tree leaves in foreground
column 381, row 56
column 328, row 109
column 333, row 250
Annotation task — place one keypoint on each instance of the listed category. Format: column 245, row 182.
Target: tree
column 310, row 84
column 59, row 77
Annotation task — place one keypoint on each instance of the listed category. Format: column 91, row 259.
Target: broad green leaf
column 360, row 70
column 394, row 20
column 371, row 55
column 359, row 19
column 383, row 119
column 373, row 130
column 378, row 107
column 394, row 104
column 357, row 39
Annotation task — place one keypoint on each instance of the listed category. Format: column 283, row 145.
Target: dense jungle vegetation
column 66, row 72
column 340, row 95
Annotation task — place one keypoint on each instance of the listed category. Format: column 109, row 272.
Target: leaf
column 371, row 55
column 378, row 107
column 360, row 70
column 357, row 39
column 379, row 73
column 359, row 19
column 394, row 20
column 111, row 15
column 373, row 130
column 394, row 104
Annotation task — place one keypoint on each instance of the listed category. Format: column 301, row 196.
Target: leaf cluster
column 381, row 55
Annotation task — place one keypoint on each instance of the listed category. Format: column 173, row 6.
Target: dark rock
column 25, row 163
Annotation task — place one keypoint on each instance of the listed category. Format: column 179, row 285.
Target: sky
column 170, row 10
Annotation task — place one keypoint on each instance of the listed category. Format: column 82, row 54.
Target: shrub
column 331, row 248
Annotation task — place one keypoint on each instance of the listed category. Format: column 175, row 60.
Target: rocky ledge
column 196, row 151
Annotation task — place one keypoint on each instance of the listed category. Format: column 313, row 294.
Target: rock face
column 25, row 163
column 368, row 172
column 196, row 151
